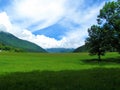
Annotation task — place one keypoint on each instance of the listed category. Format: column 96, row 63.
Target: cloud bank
column 22, row 17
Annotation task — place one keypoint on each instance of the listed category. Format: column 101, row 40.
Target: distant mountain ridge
column 60, row 50
column 9, row 39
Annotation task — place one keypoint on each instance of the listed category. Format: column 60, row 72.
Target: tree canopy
column 106, row 35
column 109, row 19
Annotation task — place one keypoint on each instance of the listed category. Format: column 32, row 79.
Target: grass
column 70, row 71
column 25, row 62
column 92, row 79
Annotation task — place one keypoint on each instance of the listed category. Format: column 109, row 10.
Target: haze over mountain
column 10, row 40
column 60, row 50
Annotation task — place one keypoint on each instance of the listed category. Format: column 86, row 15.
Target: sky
column 50, row 23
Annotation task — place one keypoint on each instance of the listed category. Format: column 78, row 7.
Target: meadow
column 68, row 71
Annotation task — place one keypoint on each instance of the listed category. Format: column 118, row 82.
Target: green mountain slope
column 81, row 49
column 86, row 49
column 11, row 40
column 10, row 48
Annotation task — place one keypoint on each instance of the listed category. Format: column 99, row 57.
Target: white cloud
column 43, row 13
column 4, row 22
column 46, row 42
column 68, row 41
column 29, row 12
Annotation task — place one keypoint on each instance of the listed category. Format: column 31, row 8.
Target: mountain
column 10, row 40
column 81, row 49
column 59, row 50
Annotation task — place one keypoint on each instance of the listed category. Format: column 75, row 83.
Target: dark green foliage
column 92, row 79
column 10, row 40
column 109, row 18
column 95, row 41
column 4, row 47
column 106, row 35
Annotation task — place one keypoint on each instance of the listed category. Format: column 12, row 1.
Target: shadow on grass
column 108, row 60
column 92, row 79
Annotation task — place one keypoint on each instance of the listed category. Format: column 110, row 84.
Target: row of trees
column 105, row 36
column 4, row 47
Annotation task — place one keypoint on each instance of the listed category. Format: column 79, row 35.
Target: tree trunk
column 99, row 58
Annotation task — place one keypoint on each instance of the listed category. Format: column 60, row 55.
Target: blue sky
column 50, row 23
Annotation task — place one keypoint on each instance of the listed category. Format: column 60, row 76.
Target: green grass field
column 68, row 71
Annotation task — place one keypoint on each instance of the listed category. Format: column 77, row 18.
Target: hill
column 86, row 49
column 10, row 40
column 81, row 49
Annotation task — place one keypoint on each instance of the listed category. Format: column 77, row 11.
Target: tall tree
column 109, row 19
column 95, row 41
column 106, row 35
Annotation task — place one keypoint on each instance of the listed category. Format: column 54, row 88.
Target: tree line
column 105, row 36
column 4, row 47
